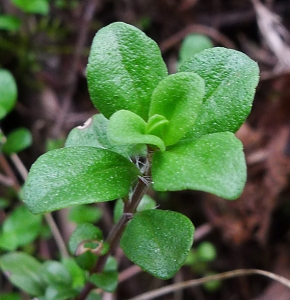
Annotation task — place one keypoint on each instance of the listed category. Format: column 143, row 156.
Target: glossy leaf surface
column 178, row 98
column 127, row 127
column 124, row 68
column 77, row 175
column 230, row 81
column 158, row 241
column 214, row 163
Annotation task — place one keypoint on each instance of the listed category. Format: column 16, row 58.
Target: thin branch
column 56, row 234
column 6, row 180
column 9, row 172
column 222, row 276
column 19, row 165
column 49, row 219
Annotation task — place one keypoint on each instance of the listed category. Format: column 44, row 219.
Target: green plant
column 192, row 44
column 199, row 259
column 171, row 132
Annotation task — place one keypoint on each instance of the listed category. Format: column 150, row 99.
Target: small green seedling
column 169, row 132
column 192, row 44
column 199, row 259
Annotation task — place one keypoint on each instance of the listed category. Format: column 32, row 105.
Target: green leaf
column 76, row 273
column 192, row 44
column 94, row 296
column 206, row 252
column 230, row 81
column 214, row 163
column 23, row 271
column 124, row 68
column 77, row 175
column 84, row 232
column 17, row 140
column 55, row 274
column 178, row 98
column 10, row 296
column 59, row 293
column 32, row 6
column 19, row 229
column 108, row 279
column 8, row 22
column 125, row 127
column 94, row 133
column 8, row 92
column 84, row 213
column 158, row 241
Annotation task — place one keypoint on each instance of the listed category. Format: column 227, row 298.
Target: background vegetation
column 45, row 46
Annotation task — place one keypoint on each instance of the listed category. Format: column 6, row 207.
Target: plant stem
column 222, row 276
column 118, row 229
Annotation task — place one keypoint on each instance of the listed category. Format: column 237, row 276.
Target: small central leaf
column 156, row 125
column 125, row 127
column 178, row 98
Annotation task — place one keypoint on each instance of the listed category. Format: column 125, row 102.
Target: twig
column 206, row 30
column 50, row 221
column 19, row 165
column 56, row 234
column 222, row 276
column 9, row 172
column 6, row 180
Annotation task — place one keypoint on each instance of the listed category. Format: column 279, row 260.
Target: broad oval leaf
column 124, row 68
column 8, row 92
column 214, row 163
column 158, row 241
column 17, row 140
column 23, row 271
column 55, row 274
column 9, row 22
column 77, row 175
column 125, row 127
column 178, row 98
column 230, row 81
column 19, row 229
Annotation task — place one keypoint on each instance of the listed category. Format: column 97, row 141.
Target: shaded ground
column 48, row 58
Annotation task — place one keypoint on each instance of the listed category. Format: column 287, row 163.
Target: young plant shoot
column 169, row 132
